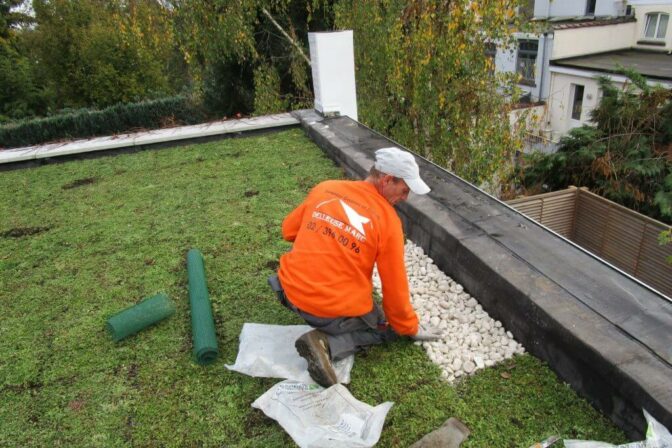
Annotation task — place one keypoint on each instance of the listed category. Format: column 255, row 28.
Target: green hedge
column 112, row 120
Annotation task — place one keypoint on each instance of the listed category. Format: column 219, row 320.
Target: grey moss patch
column 124, row 236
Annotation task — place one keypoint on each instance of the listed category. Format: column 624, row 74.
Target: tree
column 10, row 18
column 238, row 58
column 626, row 156
column 95, row 53
column 19, row 95
column 424, row 79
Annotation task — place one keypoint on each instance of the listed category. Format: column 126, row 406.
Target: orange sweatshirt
column 339, row 231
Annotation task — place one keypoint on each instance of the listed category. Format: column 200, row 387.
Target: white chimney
column 332, row 60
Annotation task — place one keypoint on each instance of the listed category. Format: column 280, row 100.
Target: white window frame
column 657, row 17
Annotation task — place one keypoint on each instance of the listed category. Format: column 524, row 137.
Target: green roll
column 202, row 323
column 140, row 316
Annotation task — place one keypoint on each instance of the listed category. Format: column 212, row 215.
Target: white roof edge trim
column 596, row 74
column 649, row 2
column 145, row 138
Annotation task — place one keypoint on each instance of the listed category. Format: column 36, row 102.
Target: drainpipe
column 543, row 67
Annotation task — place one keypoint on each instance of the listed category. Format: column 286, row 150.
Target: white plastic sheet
column 657, row 436
column 323, row 418
column 268, row 351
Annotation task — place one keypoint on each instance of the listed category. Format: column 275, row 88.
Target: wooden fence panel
column 531, row 209
column 590, row 223
column 623, row 237
column 622, row 240
column 652, row 267
column 554, row 210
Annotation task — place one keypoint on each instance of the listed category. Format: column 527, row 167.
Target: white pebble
column 479, row 362
column 457, row 364
column 469, row 366
column 470, row 339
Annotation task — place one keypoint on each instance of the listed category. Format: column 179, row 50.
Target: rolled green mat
column 202, row 324
column 140, row 316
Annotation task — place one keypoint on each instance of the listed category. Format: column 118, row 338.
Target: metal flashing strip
column 594, row 74
column 153, row 137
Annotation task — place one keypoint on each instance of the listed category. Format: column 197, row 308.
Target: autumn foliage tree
column 424, row 79
column 19, row 93
column 423, row 76
column 96, row 53
column 238, row 58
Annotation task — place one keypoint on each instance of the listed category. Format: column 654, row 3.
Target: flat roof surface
column 567, row 23
column 652, row 64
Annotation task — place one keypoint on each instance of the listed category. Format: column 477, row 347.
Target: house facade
column 530, row 57
column 653, row 26
column 580, row 40
column 549, row 9
column 644, row 45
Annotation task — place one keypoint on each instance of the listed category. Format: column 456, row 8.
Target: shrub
column 115, row 119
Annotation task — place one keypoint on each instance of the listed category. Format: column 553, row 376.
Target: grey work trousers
column 346, row 334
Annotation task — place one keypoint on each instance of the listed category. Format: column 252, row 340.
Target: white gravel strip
column 471, row 340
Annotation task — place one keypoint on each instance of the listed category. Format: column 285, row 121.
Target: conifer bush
column 119, row 118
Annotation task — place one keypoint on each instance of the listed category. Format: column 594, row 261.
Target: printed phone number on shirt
column 328, row 232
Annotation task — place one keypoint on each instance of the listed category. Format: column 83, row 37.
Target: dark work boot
column 314, row 348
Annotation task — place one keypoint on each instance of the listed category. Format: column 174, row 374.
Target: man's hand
column 427, row 333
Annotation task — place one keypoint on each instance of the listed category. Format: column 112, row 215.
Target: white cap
column 401, row 164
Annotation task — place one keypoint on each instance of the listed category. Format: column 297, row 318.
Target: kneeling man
column 339, row 232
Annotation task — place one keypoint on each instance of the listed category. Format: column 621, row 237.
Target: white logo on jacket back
column 356, row 220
